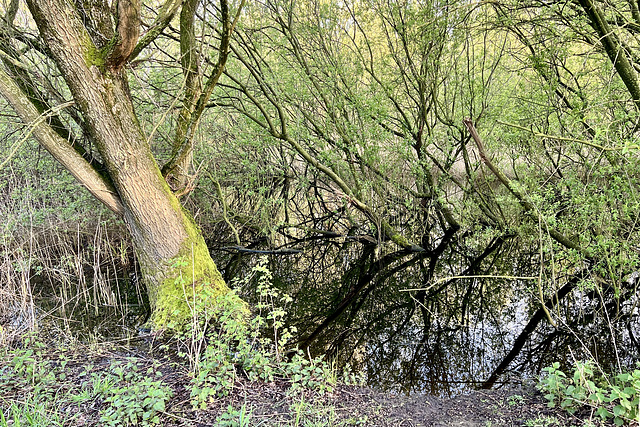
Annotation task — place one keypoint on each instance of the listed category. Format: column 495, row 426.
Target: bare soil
column 515, row 406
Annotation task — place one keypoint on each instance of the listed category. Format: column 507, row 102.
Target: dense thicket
column 433, row 161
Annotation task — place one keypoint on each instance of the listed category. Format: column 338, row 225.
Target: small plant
column 307, row 414
column 224, row 346
column 542, row 421
column 236, row 346
column 27, row 364
column 132, row 398
column 271, row 305
column 31, row 413
column 235, row 417
column 313, row 374
column 29, row 384
column 215, row 375
column 515, row 400
column 615, row 397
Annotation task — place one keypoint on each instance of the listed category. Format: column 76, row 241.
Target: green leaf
column 624, row 377
column 603, row 413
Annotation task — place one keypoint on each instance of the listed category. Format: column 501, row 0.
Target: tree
column 88, row 122
column 373, row 98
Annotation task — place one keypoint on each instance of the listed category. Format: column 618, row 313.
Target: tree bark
column 175, row 263
column 58, row 147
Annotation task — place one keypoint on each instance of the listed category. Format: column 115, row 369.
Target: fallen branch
column 522, row 198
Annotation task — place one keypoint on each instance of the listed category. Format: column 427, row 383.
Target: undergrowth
column 218, row 354
column 614, row 397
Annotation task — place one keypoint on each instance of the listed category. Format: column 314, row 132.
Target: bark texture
column 58, row 147
column 174, row 259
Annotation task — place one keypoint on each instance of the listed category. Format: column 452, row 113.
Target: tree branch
column 613, row 48
column 164, row 17
column 59, row 148
column 128, row 31
column 522, row 198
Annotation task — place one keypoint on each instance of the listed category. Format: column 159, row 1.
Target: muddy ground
column 513, row 407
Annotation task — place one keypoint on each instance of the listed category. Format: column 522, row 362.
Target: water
column 113, row 309
column 443, row 341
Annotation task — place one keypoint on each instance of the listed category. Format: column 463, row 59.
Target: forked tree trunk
column 175, row 262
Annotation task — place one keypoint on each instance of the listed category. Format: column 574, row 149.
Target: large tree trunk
column 174, row 259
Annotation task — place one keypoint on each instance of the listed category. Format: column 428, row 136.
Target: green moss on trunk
column 191, row 280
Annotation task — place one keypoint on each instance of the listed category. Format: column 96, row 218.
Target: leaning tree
column 83, row 113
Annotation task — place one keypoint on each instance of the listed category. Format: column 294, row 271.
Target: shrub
column 616, row 397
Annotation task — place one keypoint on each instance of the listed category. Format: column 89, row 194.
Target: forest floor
column 486, row 408
column 360, row 406
column 103, row 384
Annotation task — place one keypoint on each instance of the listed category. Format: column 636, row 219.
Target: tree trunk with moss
column 90, row 48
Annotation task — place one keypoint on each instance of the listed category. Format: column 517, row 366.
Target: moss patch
column 193, row 284
column 93, row 55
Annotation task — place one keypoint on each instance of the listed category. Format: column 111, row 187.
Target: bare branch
column 57, row 146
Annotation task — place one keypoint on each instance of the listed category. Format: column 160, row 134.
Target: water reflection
column 442, row 360
column 110, row 308
column 463, row 334
column 411, row 322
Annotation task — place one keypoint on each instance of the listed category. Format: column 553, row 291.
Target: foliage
column 616, row 397
column 234, row 345
column 235, row 418
column 31, row 413
column 542, row 421
column 351, row 114
column 132, row 397
column 86, row 140
column 38, row 383
column 129, row 396
column 516, row 399
column 309, row 374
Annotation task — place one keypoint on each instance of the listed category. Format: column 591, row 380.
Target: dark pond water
column 405, row 329
column 413, row 324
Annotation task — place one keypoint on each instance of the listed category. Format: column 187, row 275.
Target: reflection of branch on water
column 370, row 274
column 256, row 251
column 363, row 280
column 532, row 325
